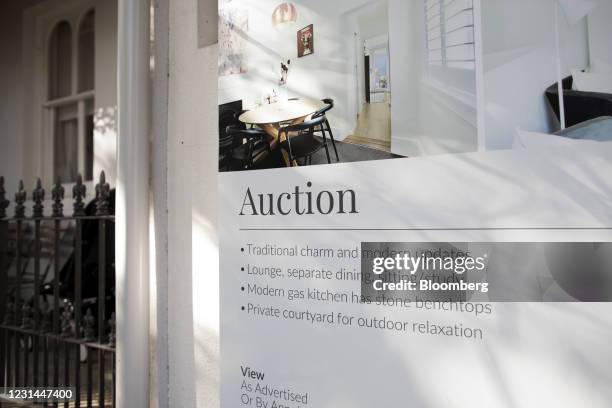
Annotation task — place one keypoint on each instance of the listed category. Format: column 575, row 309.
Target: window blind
column 449, row 26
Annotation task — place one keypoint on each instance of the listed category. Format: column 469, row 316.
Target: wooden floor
column 373, row 126
column 371, row 143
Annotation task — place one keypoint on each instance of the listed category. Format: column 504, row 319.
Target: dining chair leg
column 327, row 154
column 331, row 136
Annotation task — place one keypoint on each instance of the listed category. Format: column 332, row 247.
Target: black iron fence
column 57, row 293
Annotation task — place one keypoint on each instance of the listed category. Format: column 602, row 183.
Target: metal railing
column 57, row 303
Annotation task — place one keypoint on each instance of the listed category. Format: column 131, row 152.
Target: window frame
column 84, row 101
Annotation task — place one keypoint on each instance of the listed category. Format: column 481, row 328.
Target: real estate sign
column 406, row 247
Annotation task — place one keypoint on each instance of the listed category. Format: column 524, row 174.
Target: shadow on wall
column 105, row 141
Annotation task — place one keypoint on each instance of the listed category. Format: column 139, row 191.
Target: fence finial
column 102, row 196
column 57, row 194
column 78, row 194
column 38, row 196
column 4, row 203
column 20, row 198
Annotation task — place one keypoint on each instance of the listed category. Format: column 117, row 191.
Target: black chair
column 325, row 127
column 237, row 120
column 226, row 145
column 580, row 106
column 248, row 147
column 228, row 116
column 241, row 125
column 300, row 141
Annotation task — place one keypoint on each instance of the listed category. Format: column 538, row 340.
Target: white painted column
column 132, row 205
column 559, row 76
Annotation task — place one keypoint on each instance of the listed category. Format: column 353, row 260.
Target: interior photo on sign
column 312, row 82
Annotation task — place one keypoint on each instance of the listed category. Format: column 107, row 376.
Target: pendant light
column 284, row 15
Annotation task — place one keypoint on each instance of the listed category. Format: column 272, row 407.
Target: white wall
column 338, row 7
column 12, row 98
column 320, row 75
column 192, row 150
column 403, row 46
column 600, row 32
column 368, row 22
column 373, row 20
column 519, row 64
column 433, row 110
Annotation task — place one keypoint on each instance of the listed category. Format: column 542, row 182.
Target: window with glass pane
column 60, row 61
column 89, row 141
column 86, row 65
column 379, row 77
column 71, row 99
column 66, row 144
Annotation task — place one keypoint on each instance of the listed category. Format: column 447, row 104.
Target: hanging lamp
column 284, row 15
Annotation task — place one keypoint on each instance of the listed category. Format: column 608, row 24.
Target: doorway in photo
column 370, row 24
column 373, row 127
column 416, row 83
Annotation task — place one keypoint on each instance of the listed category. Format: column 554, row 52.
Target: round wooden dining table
column 269, row 117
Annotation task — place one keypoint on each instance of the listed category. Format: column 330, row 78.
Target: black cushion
column 580, row 106
column 302, row 145
column 241, row 152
